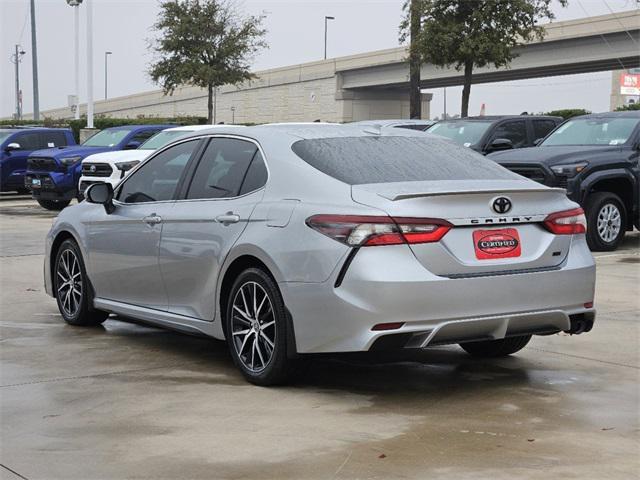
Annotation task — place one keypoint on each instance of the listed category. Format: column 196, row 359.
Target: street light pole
column 89, row 64
column 76, row 55
column 16, row 58
column 34, row 64
column 106, row 56
column 325, row 34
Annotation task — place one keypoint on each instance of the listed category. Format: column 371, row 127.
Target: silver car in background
column 288, row 240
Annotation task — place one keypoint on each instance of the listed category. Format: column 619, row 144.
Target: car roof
column 197, row 128
column 37, row 129
column 395, row 121
column 497, row 117
column 303, row 131
column 134, row 127
column 624, row 114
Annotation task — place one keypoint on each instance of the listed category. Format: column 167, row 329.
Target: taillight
column 366, row 230
column 569, row 222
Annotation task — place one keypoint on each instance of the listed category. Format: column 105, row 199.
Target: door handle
column 152, row 219
column 227, row 218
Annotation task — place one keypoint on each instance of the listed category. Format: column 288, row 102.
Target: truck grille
column 42, row 164
column 96, row 170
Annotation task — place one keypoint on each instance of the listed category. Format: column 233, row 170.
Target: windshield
column 463, row 132
column 361, row 160
column 161, row 139
column 4, row 135
column 593, row 131
column 106, row 138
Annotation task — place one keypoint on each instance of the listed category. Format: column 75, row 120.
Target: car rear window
column 362, row 160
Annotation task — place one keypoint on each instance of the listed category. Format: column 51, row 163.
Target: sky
column 295, row 35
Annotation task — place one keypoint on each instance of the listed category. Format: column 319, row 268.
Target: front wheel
column 496, row 348
column 53, row 204
column 256, row 329
column 71, row 287
column 606, row 221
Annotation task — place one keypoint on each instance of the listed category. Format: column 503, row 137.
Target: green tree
column 475, row 33
column 204, row 43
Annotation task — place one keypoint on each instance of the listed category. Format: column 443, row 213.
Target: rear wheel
column 496, row 348
column 256, row 329
column 606, row 221
column 71, row 288
column 53, row 204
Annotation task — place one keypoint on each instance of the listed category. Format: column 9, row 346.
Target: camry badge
column 501, row 205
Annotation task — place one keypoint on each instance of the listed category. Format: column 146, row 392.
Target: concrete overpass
column 375, row 84
column 593, row 44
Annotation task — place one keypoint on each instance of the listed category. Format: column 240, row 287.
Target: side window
column 140, row 137
column 52, row 139
column 28, row 141
column 256, row 176
column 516, row 131
column 158, row 178
column 222, row 169
column 541, row 128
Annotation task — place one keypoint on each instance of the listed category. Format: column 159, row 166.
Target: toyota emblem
column 501, row 205
column 92, row 168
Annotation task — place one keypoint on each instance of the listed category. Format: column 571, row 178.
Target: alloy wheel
column 253, row 326
column 69, row 283
column 609, row 222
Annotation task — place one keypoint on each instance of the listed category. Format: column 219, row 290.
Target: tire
column 54, row 204
column 606, row 221
column 496, row 348
column 263, row 361
column 75, row 299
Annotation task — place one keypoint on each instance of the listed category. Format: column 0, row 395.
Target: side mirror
column 500, row 144
column 12, row 146
column 537, row 141
column 101, row 193
column 132, row 145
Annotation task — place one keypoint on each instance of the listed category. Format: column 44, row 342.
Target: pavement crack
column 95, row 375
column 13, row 471
column 585, row 358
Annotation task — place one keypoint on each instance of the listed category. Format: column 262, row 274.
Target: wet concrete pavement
column 127, row 401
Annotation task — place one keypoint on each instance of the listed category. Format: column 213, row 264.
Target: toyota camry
column 289, row 240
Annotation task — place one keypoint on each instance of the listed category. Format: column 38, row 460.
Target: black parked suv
column 595, row 158
column 494, row 133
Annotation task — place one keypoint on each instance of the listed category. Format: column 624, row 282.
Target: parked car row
column 593, row 157
column 52, row 174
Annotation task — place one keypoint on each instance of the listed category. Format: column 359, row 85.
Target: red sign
column 630, row 84
column 503, row 243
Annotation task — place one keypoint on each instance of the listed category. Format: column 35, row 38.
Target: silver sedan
column 289, row 240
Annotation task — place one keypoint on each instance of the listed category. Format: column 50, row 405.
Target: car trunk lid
column 483, row 241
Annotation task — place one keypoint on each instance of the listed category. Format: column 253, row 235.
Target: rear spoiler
column 404, row 196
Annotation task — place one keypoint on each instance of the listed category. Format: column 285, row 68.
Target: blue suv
column 16, row 144
column 52, row 174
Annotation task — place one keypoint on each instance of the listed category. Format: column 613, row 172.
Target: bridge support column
column 377, row 104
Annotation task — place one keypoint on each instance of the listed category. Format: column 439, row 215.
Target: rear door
column 201, row 229
column 542, row 127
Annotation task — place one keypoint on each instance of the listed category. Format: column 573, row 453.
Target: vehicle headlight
column 569, row 170
column 126, row 166
column 66, row 161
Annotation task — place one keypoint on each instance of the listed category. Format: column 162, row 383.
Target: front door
column 201, row 229
column 124, row 245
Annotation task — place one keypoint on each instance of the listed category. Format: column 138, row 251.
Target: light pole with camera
column 76, row 55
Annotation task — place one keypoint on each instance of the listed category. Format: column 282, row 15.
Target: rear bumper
column 387, row 284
